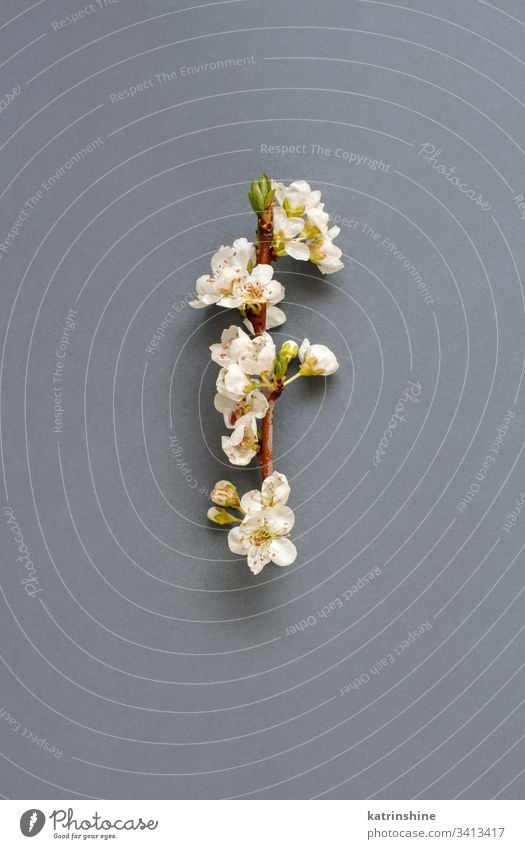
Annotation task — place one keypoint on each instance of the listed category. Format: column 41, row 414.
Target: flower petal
column 262, row 273
column 304, row 347
column 223, row 404
column 282, row 552
column 238, row 542
column 274, row 292
column 276, row 489
column 258, row 557
column 297, row 250
column 280, row 519
column 319, row 218
column 252, row 501
column 219, row 259
column 274, row 317
column 253, row 522
column 230, row 302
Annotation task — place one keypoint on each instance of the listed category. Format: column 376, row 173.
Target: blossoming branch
column 253, row 373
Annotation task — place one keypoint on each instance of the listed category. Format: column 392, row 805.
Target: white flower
column 242, row 445
column 229, row 264
column 262, row 537
column 274, row 317
column 325, row 254
column 286, row 229
column 318, row 218
column 233, row 341
column 238, row 256
column 253, row 355
column 298, row 197
column 258, row 355
column 233, row 382
column 316, row 359
column 275, row 490
column 262, row 533
column 255, row 288
column 301, row 227
column 234, row 412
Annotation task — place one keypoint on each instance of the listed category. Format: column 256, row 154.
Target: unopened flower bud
column 261, row 193
column 221, row 517
column 316, row 360
column 225, row 494
column 287, row 352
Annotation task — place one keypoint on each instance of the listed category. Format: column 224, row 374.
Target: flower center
column 261, row 536
column 240, row 410
column 316, row 251
column 248, row 442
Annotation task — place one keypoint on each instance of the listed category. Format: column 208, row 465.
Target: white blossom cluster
column 252, row 370
column 262, row 534
column 301, row 226
column 246, row 365
column 237, row 282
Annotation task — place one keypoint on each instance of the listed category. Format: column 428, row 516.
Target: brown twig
column 265, row 256
column 263, row 245
column 266, row 449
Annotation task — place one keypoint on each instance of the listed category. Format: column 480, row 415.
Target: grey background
column 152, row 658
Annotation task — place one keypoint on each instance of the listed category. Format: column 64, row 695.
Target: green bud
column 265, row 183
column 279, row 369
column 221, row 516
column 256, row 197
column 288, row 351
column 261, row 193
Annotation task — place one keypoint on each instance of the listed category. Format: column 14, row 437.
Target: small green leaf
column 256, row 197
